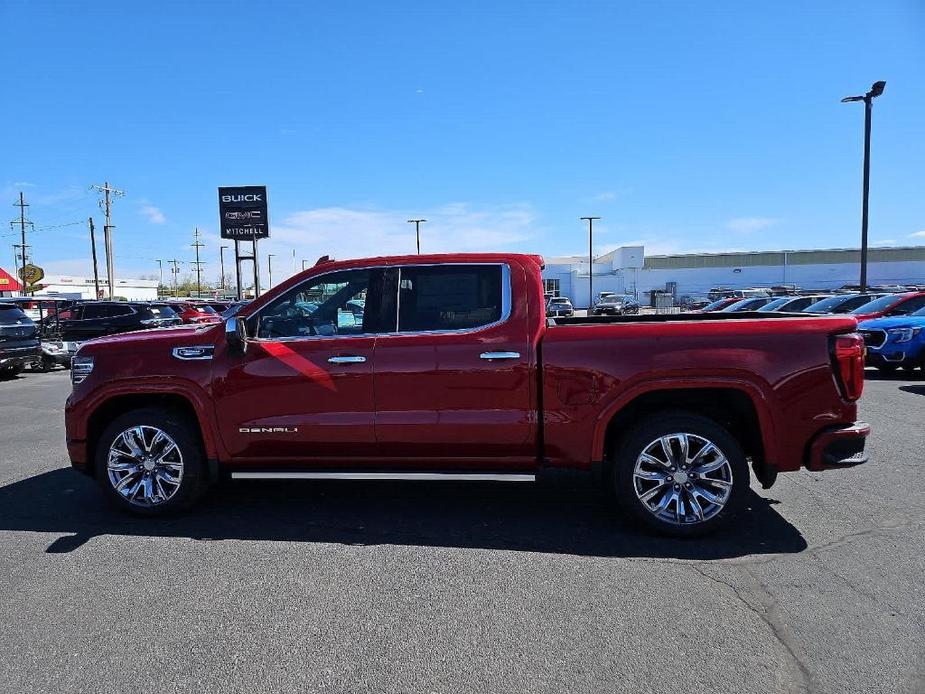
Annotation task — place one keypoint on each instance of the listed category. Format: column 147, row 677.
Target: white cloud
column 747, row 225
column 917, row 235
column 154, row 215
column 606, row 195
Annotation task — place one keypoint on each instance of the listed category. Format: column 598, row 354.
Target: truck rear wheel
column 150, row 462
column 680, row 474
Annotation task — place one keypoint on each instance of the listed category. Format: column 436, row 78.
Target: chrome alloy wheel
column 682, row 478
column 145, row 466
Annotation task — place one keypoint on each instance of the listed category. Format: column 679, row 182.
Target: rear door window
column 449, row 297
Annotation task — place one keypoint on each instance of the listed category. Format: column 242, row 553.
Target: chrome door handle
column 491, row 356
column 352, row 359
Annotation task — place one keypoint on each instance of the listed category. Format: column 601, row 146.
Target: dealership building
column 628, row 270
column 71, row 287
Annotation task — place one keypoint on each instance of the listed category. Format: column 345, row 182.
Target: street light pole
column 868, row 99
column 270, row 257
column 417, row 231
column 590, row 260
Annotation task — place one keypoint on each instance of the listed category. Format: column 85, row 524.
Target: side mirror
column 236, row 335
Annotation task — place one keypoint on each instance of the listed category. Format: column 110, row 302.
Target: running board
column 417, row 476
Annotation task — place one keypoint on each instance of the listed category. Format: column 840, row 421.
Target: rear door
column 453, row 374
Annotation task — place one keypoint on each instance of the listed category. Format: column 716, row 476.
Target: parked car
column 190, row 312
column 747, row 304
column 234, row 308
column 559, row 306
column 840, row 303
column 440, row 382
column 718, row 305
column 791, row 304
column 895, row 341
column 19, row 340
column 616, row 305
column 693, row 303
column 890, row 305
column 99, row 318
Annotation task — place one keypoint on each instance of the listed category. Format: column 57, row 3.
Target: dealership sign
column 243, row 212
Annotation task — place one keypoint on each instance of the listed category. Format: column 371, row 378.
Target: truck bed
column 675, row 317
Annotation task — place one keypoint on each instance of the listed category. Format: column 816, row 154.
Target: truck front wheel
column 680, row 474
column 150, row 462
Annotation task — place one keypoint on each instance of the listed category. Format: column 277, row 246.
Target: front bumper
column 838, row 447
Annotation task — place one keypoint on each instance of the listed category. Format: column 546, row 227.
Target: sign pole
column 256, row 270
column 237, row 269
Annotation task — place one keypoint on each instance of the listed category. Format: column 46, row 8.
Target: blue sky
column 686, row 126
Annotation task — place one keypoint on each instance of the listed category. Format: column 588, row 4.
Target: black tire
column 185, row 435
column 637, row 440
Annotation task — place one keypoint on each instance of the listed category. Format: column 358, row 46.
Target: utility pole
column 197, row 244
column 160, row 273
column 96, row 272
column 417, row 231
column 22, row 229
column 21, row 256
column 108, row 191
column 221, row 262
column 175, row 270
column 270, row 257
column 590, row 260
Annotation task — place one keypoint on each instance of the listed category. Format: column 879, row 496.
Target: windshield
column 877, row 305
column 559, row 301
column 827, row 305
column 777, row 303
column 744, row 304
column 715, row 305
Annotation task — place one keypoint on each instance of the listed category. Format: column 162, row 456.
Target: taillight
column 848, row 354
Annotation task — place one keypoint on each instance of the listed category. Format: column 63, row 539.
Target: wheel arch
column 112, row 407
column 739, row 409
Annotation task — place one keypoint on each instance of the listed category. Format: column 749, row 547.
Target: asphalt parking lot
column 422, row 587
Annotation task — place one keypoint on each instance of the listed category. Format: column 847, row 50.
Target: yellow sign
column 30, row 274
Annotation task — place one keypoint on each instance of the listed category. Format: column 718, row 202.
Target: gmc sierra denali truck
column 446, row 367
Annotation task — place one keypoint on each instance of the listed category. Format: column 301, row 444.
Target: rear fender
column 755, row 393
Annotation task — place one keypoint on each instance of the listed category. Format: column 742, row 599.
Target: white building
column 628, row 270
column 130, row 289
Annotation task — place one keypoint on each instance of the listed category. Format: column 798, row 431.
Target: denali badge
column 268, row 430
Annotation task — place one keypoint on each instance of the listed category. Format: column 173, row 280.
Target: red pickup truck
column 446, row 367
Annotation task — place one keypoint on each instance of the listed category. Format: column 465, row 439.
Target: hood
column 185, row 333
column 893, row 322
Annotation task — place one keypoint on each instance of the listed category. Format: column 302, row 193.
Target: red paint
column 427, row 401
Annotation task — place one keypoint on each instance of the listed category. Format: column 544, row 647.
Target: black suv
column 19, row 340
column 97, row 318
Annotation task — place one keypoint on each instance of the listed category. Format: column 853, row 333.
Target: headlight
column 80, row 368
column 903, row 334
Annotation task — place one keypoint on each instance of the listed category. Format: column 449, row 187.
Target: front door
column 303, row 391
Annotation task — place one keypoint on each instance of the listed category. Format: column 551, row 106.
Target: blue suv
column 895, row 341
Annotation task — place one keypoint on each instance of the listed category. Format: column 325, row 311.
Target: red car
column 890, row 305
column 190, row 312
column 445, row 368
